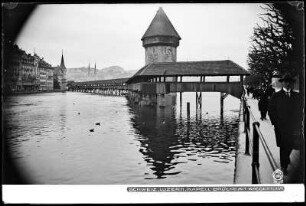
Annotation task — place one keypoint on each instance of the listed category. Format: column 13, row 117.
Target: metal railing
column 257, row 137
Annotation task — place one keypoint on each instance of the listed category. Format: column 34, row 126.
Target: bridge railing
column 257, row 138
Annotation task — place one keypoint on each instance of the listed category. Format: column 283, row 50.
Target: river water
column 79, row 138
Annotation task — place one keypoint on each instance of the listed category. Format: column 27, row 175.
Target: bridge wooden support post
column 221, row 107
column 188, row 110
column 181, row 100
column 198, row 104
column 222, row 97
column 198, row 100
column 221, row 103
column 188, row 120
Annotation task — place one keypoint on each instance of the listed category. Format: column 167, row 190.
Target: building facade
column 46, row 74
column 20, row 70
column 24, row 72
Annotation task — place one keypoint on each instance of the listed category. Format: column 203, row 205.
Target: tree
column 254, row 80
column 271, row 51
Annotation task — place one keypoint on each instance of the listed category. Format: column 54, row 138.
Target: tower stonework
column 160, row 40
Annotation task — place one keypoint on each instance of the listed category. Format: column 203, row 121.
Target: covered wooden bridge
column 171, row 77
column 106, row 87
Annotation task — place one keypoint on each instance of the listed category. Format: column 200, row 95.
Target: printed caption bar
column 206, row 189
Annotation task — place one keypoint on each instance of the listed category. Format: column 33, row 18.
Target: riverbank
column 243, row 168
column 32, row 92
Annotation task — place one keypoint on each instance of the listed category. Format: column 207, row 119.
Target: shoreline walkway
column 243, row 171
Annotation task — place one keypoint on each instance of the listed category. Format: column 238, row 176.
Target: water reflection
column 156, row 129
column 169, row 138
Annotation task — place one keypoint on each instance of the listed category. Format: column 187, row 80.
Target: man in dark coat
column 263, row 105
column 285, row 111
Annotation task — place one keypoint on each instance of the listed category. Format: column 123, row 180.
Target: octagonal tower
column 160, row 40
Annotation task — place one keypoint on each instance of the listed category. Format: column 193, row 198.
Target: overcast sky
column 110, row 34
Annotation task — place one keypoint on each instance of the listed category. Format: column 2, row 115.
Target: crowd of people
column 263, row 95
column 285, row 111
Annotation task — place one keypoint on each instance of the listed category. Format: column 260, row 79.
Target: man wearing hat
column 285, row 111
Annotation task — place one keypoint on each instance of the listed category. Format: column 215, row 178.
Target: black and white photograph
column 153, row 102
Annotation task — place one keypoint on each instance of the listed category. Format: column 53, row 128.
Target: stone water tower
column 160, row 40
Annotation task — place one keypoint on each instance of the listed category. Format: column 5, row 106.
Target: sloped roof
column 195, row 68
column 161, row 26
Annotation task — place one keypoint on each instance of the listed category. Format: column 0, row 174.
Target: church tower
column 160, row 40
column 88, row 70
column 59, row 75
column 62, row 61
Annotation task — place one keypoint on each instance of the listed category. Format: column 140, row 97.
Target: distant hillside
column 113, row 72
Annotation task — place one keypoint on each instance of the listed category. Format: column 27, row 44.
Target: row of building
column 30, row 73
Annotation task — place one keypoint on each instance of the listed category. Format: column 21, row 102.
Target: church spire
column 95, row 71
column 62, row 60
column 89, row 69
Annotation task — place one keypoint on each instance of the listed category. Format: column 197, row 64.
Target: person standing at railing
column 285, row 112
column 264, row 100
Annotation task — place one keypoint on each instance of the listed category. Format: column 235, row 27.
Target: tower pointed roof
column 62, row 61
column 161, row 26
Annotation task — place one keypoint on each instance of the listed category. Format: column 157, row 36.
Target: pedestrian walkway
column 243, row 163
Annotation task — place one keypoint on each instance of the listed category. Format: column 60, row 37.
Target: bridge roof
column 107, row 81
column 195, row 68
